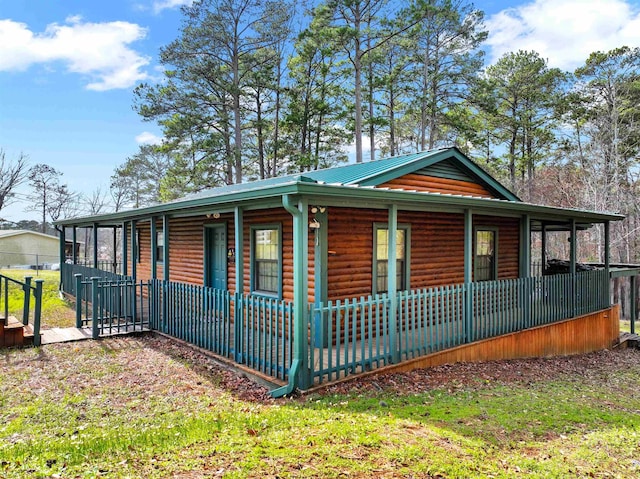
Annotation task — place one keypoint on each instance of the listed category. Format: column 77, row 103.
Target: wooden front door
column 216, row 256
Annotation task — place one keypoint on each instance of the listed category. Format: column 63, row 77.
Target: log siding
column 437, row 248
column 433, row 184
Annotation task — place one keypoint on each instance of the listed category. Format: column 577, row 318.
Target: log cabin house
column 402, row 262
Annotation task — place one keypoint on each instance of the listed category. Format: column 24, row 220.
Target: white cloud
column 159, row 5
column 366, row 142
column 148, row 138
column 564, row 31
column 99, row 51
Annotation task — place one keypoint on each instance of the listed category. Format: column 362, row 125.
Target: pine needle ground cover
column 147, row 407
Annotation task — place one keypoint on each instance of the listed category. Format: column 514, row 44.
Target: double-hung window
column 381, row 258
column 266, row 262
column 159, row 246
column 485, row 264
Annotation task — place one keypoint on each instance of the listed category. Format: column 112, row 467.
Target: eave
column 344, row 195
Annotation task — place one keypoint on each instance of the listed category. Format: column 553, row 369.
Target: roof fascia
column 189, row 207
column 256, row 197
column 485, row 206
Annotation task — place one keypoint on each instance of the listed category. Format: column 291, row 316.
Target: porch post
column 63, row 245
column 633, row 305
column 468, row 274
column 321, row 286
column 607, row 261
column 300, row 288
column 238, row 221
column 543, row 267
column 154, row 248
column 124, row 249
column 74, row 238
column 525, row 246
column 607, row 246
column 572, row 266
column 115, row 250
column 95, row 245
column 392, row 290
column 134, row 251
column 165, row 250
column 63, row 258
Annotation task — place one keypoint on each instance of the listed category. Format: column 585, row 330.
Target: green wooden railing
column 114, row 267
column 112, row 306
column 431, row 320
column 27, row 290
column 69, row 271
column 345, row 336
column 195, row 314
column 251, row 330
column 353, row 335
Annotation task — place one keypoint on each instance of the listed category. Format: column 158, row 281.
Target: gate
column 112, row 306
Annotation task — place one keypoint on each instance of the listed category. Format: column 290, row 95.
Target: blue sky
column 68, row 68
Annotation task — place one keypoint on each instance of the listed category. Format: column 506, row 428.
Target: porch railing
column 251, row 330
column 111, row 306
column 346, row 336
column 68, row 272
column 103, row 265
column 26, row 291
column 358, row 334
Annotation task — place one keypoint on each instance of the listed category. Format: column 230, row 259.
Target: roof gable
column 444, row 163
column 448, row 163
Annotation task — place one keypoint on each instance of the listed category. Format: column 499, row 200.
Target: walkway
column 65, row 335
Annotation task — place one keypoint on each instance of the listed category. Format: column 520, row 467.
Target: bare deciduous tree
column 12, row 175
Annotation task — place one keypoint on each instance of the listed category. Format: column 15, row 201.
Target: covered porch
column 297, row 343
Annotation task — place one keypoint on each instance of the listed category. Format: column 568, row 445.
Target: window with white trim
column 159, row 246
column 266, row 259
column 485, row 264
column 381, row 258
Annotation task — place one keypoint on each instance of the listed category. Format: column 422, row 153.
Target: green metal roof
column 352, row 183
column 372, row 173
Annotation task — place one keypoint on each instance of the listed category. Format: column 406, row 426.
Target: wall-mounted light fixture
column 318, row 209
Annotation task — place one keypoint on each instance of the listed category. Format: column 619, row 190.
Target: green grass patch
column 126, row 407
column 56, row 312
column 625, row 326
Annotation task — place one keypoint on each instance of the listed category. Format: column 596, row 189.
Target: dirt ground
column 452, row 377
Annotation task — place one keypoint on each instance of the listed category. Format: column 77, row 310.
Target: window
column 266, row 266
column 485, row 266
column 381, row 258
column 159, row 246
column 138, row 251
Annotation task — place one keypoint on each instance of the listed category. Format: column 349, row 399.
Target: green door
column 215, row 270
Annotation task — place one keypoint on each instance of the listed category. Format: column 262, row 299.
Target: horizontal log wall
column 186, row 249
column 584, row 334
column 432, row 184
column 437, row 248
column 508, row 243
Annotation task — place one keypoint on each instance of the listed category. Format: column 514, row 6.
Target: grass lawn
column 146, row 407
column 625, row 326
column 56, row 312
